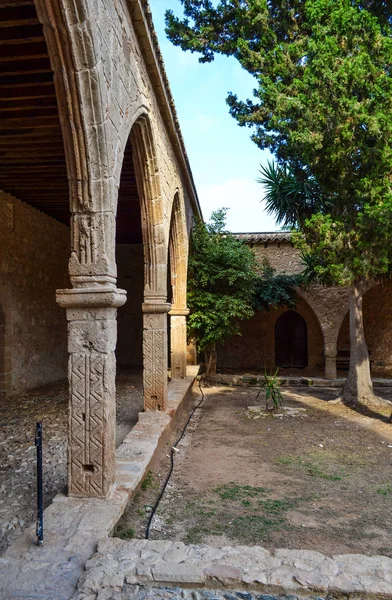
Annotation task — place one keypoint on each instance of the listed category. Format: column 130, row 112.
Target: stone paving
column 120, row 568
column 18, row 416
column 140, row 592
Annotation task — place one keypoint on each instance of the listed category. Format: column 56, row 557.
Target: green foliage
column 148, row 481
column 292, row 194
column 221, row 283
column 272, row 391
column 310, row 466
column 342, row 250
column 385, row 490
column 273, row 290
column 322, row 104
column 233, row 491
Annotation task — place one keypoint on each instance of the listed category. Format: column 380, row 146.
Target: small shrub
column 272, row 391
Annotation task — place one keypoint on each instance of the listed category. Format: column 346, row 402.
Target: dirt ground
column 18, row 417
column 318, row 478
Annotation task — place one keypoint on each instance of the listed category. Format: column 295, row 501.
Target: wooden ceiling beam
column 29, row 153
column 15, row 16
column 29, row 65
column 25, row 105
column 31, row 134
column 28, row 145
column 15, row 3
column 24, row 52
column 18, row 22
column 40, row 111
column 21, row 35
column 26, row 123
column 38, row 167
column 34, row 79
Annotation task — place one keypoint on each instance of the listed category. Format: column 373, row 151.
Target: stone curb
column 120, row 563
column 73, row 526
column 254, row 380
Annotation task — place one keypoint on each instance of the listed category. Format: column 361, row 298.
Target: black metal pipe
column 40, row 503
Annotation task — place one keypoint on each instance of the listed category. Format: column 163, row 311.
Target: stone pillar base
column 155, row 354
column 92, row 336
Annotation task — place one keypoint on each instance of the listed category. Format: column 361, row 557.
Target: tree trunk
column 211, row 359
column 359, row 387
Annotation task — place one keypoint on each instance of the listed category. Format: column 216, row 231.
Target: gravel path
column 18, row 417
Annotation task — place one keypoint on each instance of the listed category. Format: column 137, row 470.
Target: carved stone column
column 178, row 343
column 92, row 336
column 155, row 353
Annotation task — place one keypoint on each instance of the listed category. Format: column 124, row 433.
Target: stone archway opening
column 142, row 266
column 130, row 270
column 177, row 286
column 291, row 341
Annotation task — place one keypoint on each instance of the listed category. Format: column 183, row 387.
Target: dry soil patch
column 320, row 480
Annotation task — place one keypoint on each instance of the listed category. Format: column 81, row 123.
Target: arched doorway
column 291, row 341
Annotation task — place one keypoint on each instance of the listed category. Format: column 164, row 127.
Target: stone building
column 96, row 205
column 313, row 339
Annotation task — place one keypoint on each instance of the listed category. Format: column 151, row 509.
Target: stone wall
column 282, row 256
column 255, row 349
column 33, row 264
column 130, row 272
column 325, row 310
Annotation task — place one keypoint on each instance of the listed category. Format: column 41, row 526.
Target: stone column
column 178, row 342
column 155, row 352
column 91, row 307
column 92, row 336
column 330, row 354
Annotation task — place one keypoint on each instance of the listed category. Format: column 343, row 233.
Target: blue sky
column 224, row 161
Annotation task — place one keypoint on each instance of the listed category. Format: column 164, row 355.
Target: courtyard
column 315, row 477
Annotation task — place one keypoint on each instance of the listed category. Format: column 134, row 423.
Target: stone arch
column 255, row 348
column 178, row 251
column 315, row 336
column 151, row 204
column 329, row 305
column 78, row 80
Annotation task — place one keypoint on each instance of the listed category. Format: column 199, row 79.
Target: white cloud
column 244, row 199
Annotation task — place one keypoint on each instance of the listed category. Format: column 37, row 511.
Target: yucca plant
column 272, row 391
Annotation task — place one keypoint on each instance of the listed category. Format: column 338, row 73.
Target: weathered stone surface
column 294, row 573
column 33, row 262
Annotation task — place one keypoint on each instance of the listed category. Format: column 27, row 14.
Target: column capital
column 176, row 311
column 155, row 306
column 91, row 297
